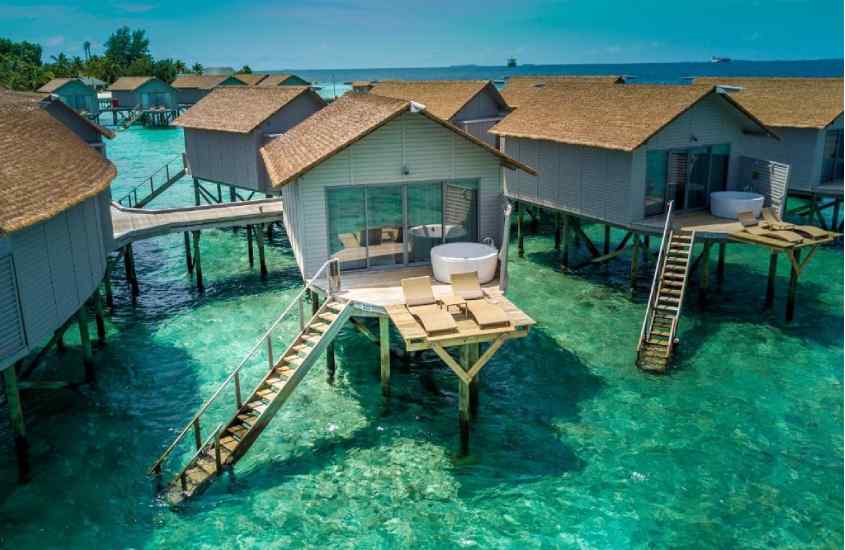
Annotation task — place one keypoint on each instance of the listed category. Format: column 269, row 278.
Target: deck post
column 198, row 260
column 520, row 243
column 463, row 403
column 59, row 335
column 250, row 251
column 259, row 237
column 474, row 353
column 793, row 284
column 315, row 303
column 704, row 274
column 770, row 286
column 196, row 192
column 100, row 318
column 646, row 248
column 384, row 349
column 720, row 266
column 606, row 239
column 109, row 294
column 189, row 261
column 85, row 338
column 13, row 400
column 567, row 223
column 834, row 224
column 557, row 230
column 634, row 260
column 535, row 220
column 331, row 365
column 131, row 275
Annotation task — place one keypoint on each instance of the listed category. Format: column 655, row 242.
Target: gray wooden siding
column 86, row 132
column 12, row 341
column 430, row 153
column 190, row 95
column 800, row 148
column 481, row 106
column 58, row 264
column 79, row 96
column 769, row 178
column 132, row 98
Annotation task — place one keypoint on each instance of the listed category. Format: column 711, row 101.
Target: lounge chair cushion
column 486, row 313
column 433, row 318
column 466, row 285
column 417, row 291
column 747, row 219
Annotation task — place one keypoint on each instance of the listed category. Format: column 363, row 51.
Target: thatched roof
column 57, row 83
column 345, row 121
column 240, row 109
column 786, row 102
column 251, row 79
column 278, row 79
column 129, row 83
column 610, row 117
column 44, row 167
column 520, row 89
column 200, row 81
column 442, row 98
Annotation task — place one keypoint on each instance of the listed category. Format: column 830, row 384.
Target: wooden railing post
column 197, row 434
column 218, row 462
column 301, row 314
column 270, row 351
column 238, row 398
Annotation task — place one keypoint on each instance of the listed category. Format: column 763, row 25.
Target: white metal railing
column 172, row 168
column 661, row 259
column 333, row 285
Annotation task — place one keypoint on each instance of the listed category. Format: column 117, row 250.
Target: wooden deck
column 132, row 224
column 374, row 289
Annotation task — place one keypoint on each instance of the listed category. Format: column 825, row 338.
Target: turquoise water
column 741, row 446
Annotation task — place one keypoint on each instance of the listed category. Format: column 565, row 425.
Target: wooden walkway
column 132, row 224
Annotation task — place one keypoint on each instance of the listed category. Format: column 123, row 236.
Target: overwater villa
column 75, row 94
column 143, row 97
column 226, row 129
column 392, row 213
column 806, row 113
column 475, row 106
column 251, row 79
column 653, row 159
column 271, row 80
column 190, row 88
column 55, row 231
column 520, row 89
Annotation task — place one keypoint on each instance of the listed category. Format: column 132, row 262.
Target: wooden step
column 196, row 476
column 238, row 430
column 229, row 442
column 207, row 463
column 330, row 317
column 302, row 349
column 337, row 306
column 666, row 308
column 294, row 360
column 311, row 338
column 267, row 393
column 663, row 333
column 668, row 292
column 321, row 328
column 257, row 406
column 248, row 419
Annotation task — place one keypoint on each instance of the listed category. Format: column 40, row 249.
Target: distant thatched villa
column 75, row 94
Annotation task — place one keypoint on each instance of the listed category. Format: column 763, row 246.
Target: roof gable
column 344, row 122
column 57, row 84
column 609, row 117
column 204, row 82
column 132, row 83
column 282, row 80
column 240, row 109
column 786, row 102
column 443, row 98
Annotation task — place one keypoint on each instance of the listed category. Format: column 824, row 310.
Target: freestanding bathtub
column 727, row 204
column 450, row 258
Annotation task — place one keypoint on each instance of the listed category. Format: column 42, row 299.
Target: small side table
column 453, row 300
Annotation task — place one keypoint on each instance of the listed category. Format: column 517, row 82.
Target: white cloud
column 54, row 41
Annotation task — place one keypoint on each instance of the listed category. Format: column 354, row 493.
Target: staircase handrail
column 661, row 258
column 333, row 278
column 131, row 198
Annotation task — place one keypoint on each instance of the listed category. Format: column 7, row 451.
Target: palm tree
column 86, row 46
column 180, row 66
column 197, row 68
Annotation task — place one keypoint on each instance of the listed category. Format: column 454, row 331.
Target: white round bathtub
column 727, row 204
column 450, row 258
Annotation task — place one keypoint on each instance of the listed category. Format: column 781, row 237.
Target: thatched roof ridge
column 442, row 98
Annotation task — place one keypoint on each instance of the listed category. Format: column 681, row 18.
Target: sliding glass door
column 685, row 176
column 385, row 225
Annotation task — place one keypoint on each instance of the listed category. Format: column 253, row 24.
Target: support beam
column 473, row 385
column 834, row 224
column 189, row 260
column 198, row 260
column 331, row 365
column 606, row 239
column 646, row 248
column 720, row 266
column 262, row 262
column 535, row 220
column 794, row 273
column 520, row 243
column 100, row 318
column 464, row 402
column 85, row 338
column 770, row 287
column 557, row 230
column 250, row 251
column 109, row 293
column 634, row 259
column 13, row 400
column 196, row 192
column 704, row 274
column 131, row 275
column 564, row 259
column 384, row 352
column 579, row 231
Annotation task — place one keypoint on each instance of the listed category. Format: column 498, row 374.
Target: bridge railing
column 139, row 195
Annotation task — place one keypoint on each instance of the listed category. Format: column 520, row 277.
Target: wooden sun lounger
column 485, row 313
column 772, row 221
column 750, row 225
column 419, row 299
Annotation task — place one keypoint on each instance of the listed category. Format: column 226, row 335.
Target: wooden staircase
column 660, row 326
column 134, row 115
column 155, row 184
column 231, row 440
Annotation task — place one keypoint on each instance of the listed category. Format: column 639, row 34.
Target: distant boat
column 715, row 59
column 511, row 62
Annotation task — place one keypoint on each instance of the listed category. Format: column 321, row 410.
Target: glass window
column 384, row 225
column 655, row 182
column 347, row 226
column 699, row 177
column 425, row 219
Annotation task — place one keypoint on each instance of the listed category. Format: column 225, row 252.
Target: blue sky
column 383, row 33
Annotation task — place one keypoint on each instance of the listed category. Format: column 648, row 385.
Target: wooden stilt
column 13, row 400
column 720, row 265
column 131, row 275
column 770, row 287
column 463, row 403
column 634, row 259
column 249, row 245
column 794, row 272
column 606, row 239
column 59, row 337
column 189, row 260
column 564, row 259
column 535, row 221
column 646, row 248
column 520, row 243
column 198, row 260
column 85, row 338
column 109, row 294
column 834, row 224
column 331, row 365
column 704, row 274
column 384, row 349
column 196, row 192
column 557, row 230
column 270, row 232
column 100, row 318
column 259, row 237
column 219, row 194
column 473, row 385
